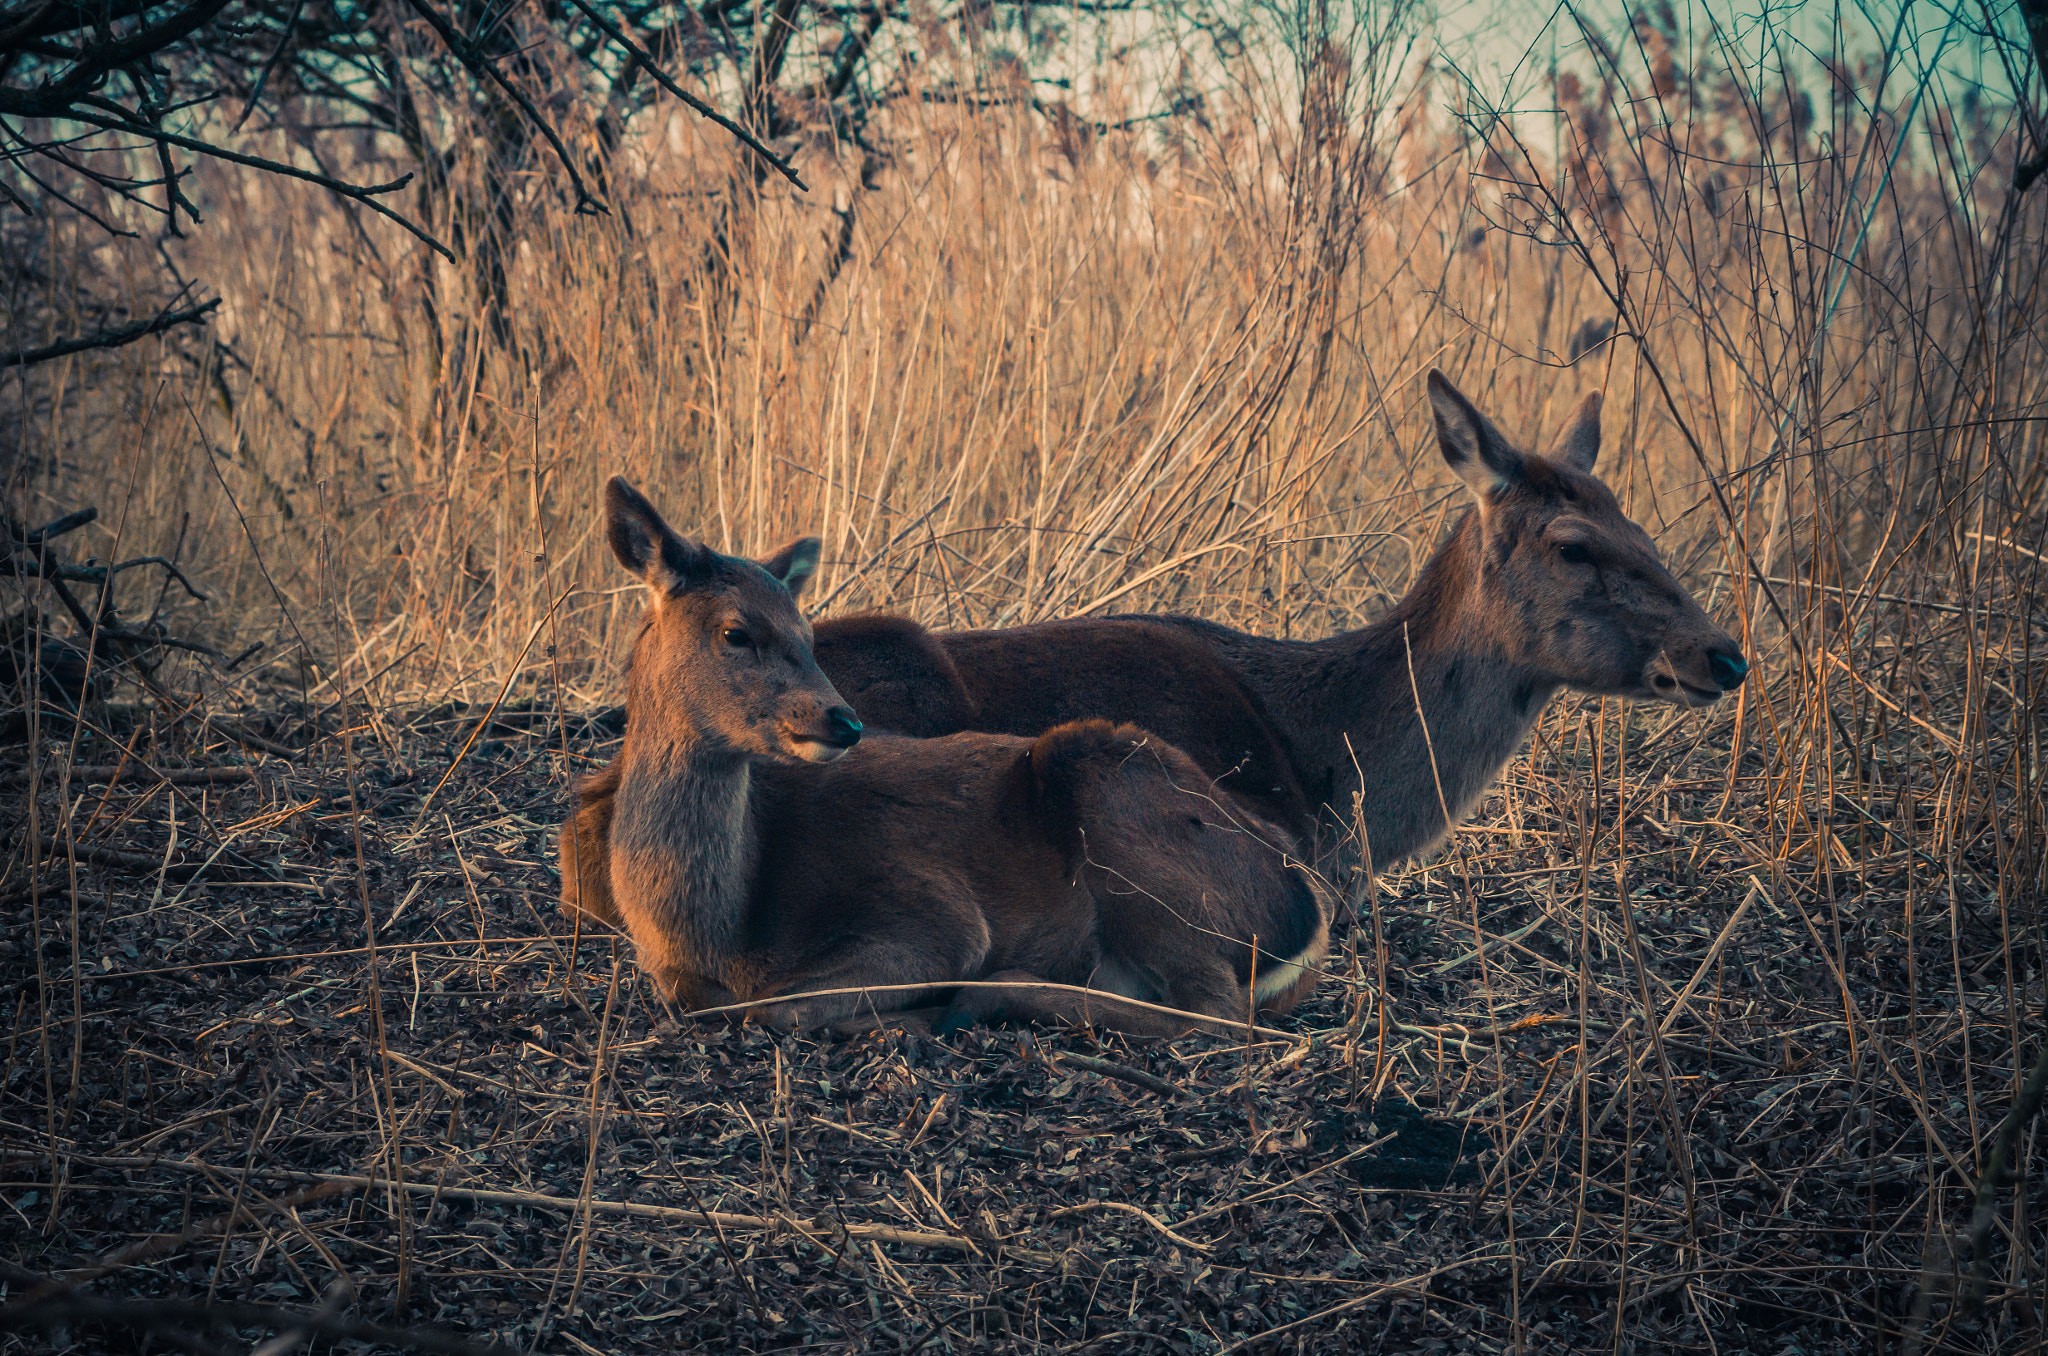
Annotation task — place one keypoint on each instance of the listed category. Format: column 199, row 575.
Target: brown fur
column 748, row 861
column 1093, row 856
column 891, row 664
column 583, row 848
column 903, row 678
column 1320, row 736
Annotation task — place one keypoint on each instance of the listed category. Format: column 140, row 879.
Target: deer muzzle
column 839, row 731
column 1697, row 679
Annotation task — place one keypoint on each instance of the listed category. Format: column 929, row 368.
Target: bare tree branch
column 646, row 63
column 57, row 527
column 2035, row 12
column 465, row 52
column 365, row 194
column 127, row 334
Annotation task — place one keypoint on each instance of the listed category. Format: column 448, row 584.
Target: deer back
column 1095, row 855
column 1024, row 680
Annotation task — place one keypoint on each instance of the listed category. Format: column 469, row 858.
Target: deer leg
column 584, row 849
column 1026, row 999
column 884, row 961
column 918, row 1020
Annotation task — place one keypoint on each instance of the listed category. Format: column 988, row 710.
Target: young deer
column 1544, row 583
column 759, row 847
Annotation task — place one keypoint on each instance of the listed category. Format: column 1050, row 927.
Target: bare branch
column 107, row 339
column 70, row 522
column 365, row 194
column 661, row 78
column 465, row 52
column 2036, row 14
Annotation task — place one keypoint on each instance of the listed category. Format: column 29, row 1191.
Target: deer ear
column 1471, row 445
column 644, row 544
column 794, row 564
column 1578, row 442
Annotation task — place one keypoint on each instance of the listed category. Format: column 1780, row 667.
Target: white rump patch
column 1278, row 979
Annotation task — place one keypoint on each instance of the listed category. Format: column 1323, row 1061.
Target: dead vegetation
column 1697, row 1038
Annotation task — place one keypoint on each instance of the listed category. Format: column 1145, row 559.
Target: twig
column 1713, row 954
column 366, row 194
column 127, row 334
column 1086, row 1206
column 465, row 51
column 646, row 63
column 70, row 522
column 247, row 738
column 1491, row 946
column 821, row 1227
column 1111, row 1002
column 44, row 568
column 1360, row 1301
column 1289, row 1184
column 511, row 676
column 136, row 772
column 1122, row 1073
column 141, row 863
column 54, row 573
column 1857, row 595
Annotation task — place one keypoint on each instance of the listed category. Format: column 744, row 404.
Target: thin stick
column 127, row 334
column 1177, row 1240
column 1713, row 954
column 366, row 194
column 511, row 677
column 1110, row 1000
column 1123, row 1073
column 820, row 1227
column 1359, row 1302
column 647, row 64
column 596, row 1113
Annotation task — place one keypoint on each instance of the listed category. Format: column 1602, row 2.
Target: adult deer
column 1544, row 583
column 759, row 847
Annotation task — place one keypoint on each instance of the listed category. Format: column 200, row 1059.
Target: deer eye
column 1572, row 553
column 737, row 638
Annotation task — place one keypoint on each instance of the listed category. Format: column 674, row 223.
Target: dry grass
column 1173, row 367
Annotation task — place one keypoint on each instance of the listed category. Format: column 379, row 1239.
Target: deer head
column 1567, row 585
column 724, row 656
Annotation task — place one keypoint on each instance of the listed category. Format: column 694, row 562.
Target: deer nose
column 845, row 727
column 1728, row 667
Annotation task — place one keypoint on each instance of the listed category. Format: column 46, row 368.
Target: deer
column 1369, row 745
column 764, row 852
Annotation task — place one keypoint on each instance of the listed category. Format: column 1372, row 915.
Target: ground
column 358, row 1061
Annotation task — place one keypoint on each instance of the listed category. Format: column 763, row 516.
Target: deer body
column 928, row 861
column 1302, row 732
column 1358, row 745
column 1398, row 727
column 751, row 855
column 1160, row 673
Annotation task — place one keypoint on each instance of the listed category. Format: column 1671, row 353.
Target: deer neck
column 683, row 841
column 1408, row 779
